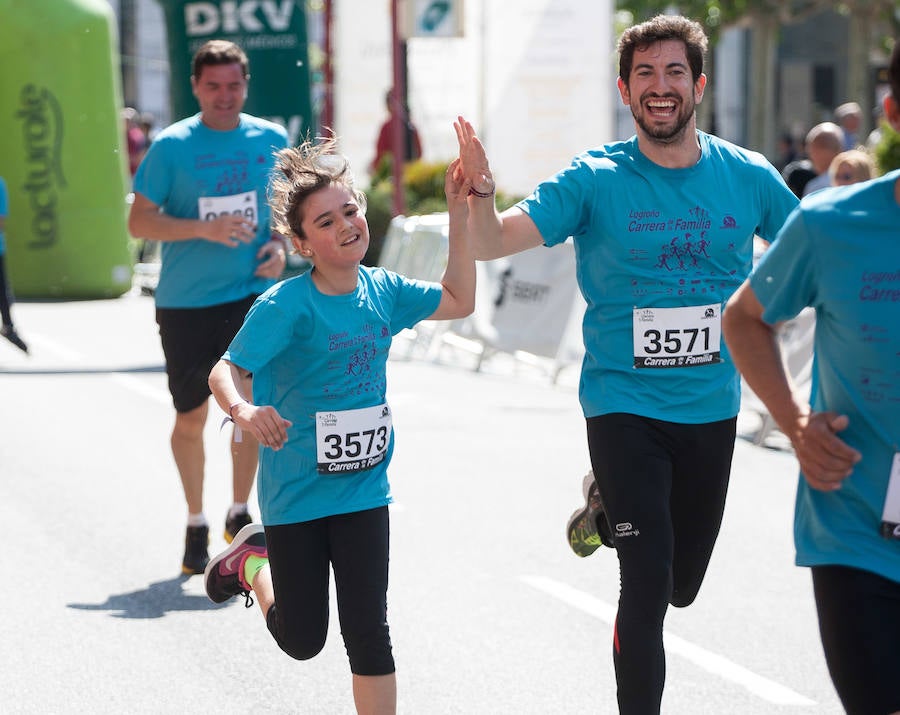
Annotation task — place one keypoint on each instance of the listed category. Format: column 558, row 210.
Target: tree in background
column 873, row 25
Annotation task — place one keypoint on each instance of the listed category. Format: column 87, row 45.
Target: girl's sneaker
column 224, row 575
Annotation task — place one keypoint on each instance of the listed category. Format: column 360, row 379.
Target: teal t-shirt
column 659, row 251
column 320, row 360
column 4, row 212
column 840, row 253
column 192, row 171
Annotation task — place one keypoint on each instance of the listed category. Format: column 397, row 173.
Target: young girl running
column 317, row 346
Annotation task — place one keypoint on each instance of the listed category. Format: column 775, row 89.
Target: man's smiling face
column 661, row 92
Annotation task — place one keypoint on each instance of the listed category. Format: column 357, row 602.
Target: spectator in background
column 8, row 331
column 135, row 139
column 851, row 167
column 823, row 142
column 397, row 111
column 787, row 151
column 798, row 172
column 147, row 121
column 874, row 137
column 849, row 117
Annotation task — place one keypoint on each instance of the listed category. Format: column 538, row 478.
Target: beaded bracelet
column 231, row 408
column 483, row 194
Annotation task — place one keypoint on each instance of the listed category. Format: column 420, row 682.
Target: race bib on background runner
column 349, row 441
column 211, row 207
column 677, row 337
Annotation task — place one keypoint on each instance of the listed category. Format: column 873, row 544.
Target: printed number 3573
column 356, row 444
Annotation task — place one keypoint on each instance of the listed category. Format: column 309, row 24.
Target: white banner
column 530, row 302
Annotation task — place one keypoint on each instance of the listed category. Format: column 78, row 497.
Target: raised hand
column 473, row 159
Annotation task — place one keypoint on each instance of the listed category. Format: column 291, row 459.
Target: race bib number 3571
column 349, row 441
column 677, row 337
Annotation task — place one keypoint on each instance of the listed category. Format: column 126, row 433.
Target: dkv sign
column 209, row 18
column 271, row 32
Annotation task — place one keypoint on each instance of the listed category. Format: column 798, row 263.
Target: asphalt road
column 490, row 612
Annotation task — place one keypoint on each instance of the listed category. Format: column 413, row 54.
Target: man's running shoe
column 225, row 573
column 9, row 332
column 233, row 524
column 196, row 553
column 588, row 528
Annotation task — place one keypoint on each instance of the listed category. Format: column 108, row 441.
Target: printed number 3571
column 674, row 340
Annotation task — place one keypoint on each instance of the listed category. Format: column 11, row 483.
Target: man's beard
column 665, row 134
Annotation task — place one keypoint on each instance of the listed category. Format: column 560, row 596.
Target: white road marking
column 129, row 382
column 58, row 349
column 142, row 388
column 716, row 664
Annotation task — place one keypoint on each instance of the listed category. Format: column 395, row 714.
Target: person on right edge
column 663, row 226
column 839, row 252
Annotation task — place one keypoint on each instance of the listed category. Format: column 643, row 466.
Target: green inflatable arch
column 62, row 150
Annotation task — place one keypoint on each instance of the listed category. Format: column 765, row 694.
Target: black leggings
column 859, row 622
column 663, row 485
column 355, row 546
column 5, row 294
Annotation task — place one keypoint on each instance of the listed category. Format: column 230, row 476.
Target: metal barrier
column 526, row 305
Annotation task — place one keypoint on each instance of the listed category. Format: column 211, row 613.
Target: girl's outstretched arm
column 458, row 299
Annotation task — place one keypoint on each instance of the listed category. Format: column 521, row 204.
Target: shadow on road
column 155, row 601
column 82, row 370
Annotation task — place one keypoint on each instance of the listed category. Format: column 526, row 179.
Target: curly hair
column 660, row 29
column 299, row 173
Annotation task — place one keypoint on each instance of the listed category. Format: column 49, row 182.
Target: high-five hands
column 473, row 158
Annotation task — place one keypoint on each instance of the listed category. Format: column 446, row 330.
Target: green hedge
column 887, row 150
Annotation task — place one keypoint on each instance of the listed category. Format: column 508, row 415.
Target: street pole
column 397, row 110
column 327, row 118
column 128, row 51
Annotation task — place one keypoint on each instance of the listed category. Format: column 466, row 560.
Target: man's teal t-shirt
column 840, row 253
column 659, row 251
column 318, row 358
column 192, row 171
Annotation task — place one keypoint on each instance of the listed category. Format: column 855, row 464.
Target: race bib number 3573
column 349, row 441
column 677, row 337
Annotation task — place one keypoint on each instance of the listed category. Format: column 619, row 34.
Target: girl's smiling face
column 335, row 231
